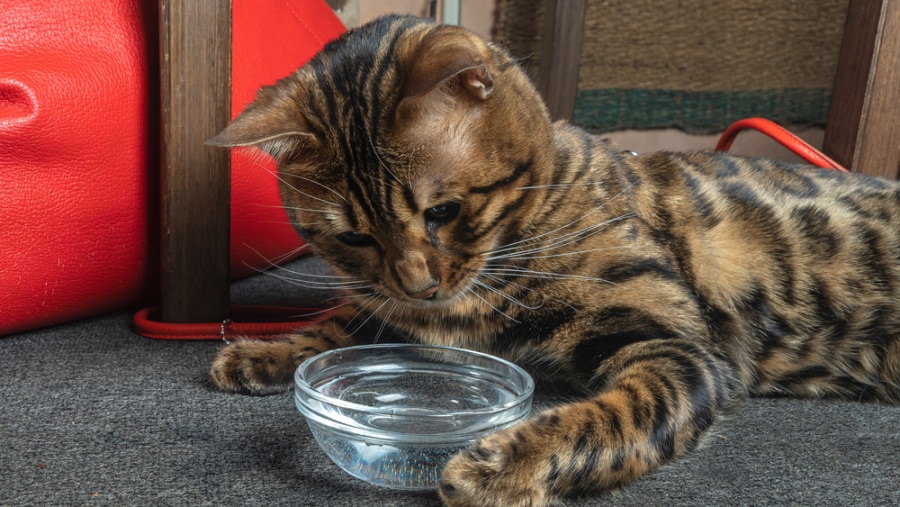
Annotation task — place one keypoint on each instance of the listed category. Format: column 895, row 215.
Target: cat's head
column 403, row 148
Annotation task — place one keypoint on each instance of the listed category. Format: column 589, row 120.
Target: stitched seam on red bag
column 300, row 20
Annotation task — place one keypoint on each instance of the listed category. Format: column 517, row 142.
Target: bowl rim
column 520, row 398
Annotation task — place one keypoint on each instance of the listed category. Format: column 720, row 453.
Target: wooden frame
column 863, row 129
column 195, row 45
column 561, row 55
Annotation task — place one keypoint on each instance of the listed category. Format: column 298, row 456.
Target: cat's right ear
column 446, row 66
column 269, row 124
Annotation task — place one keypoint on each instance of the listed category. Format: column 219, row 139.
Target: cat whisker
column 278, row 222
column 285, row 207
column 321, row 311
column 301, row 279
column 557, row 242
column 258, row 205
column 313, row 284
column 360, row 308
column 312, row 279
column 384, row 322
column 329, row 276
column 275, row 262
column 358, row 295
column 464, row 294
column 585, row 232
column 384, row 165
column 292, row 187
column 559, row 185
column 276, row 265
column 311, row 210
column 371, row 314
column 346, row 298
column 525, row 256
column 533, row 239
column 522, row 287
column 505, row 295
column 528, row 273
column 485, row 301
column 335, row 192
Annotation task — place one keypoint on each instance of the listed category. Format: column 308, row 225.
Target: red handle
column 783, row 137
column 246, row 321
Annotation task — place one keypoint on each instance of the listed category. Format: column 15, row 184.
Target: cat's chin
column 436, row 300
column 442, row 299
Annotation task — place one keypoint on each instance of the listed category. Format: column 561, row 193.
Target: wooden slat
column 863, row 129
column 560, row 55
column 195, row 43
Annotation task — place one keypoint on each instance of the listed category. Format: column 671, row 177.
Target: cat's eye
column 442, row 212
column 355, row 238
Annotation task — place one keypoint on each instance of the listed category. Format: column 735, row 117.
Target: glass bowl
column 394, row 414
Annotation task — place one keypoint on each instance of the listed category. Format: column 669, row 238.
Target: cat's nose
column 424, row 294
column 415, row 277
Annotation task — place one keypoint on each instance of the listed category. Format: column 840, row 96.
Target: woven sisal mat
column 697, row 65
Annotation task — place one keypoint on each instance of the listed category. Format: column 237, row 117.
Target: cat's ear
column 272, row 124
column 448, row 61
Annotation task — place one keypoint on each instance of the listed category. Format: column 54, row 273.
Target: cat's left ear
column 447, row 62
column 272, row 123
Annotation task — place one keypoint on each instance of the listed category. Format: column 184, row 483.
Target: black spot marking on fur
column 814, row 224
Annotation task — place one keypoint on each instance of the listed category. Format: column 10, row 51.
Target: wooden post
column 863, row 129
column 561, row 55
column 195, row 44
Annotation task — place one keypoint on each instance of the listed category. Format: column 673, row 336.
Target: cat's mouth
column 429, row 297
column 425, row 295
column 430, row 288
column 436, row 296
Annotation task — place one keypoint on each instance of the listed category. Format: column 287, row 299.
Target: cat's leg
column 263, row 367
column 658, row 400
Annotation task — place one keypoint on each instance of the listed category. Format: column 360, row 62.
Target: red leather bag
column 79, row 142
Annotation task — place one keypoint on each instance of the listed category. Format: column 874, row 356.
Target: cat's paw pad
column 254, row 367
column 498, row 471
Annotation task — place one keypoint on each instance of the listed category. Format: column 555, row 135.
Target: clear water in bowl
column 412, row 467
column 394, row 416
column 418, row 393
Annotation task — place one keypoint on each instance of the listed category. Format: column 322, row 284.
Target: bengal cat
column 420, row 162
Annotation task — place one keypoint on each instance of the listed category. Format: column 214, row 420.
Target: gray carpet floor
column 93, row 414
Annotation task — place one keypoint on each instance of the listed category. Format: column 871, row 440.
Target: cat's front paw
column 256, row 367
column 504, row 469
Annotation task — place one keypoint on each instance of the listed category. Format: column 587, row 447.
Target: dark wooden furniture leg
column 195, row 44
column 560, row 55
column 863, row 129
